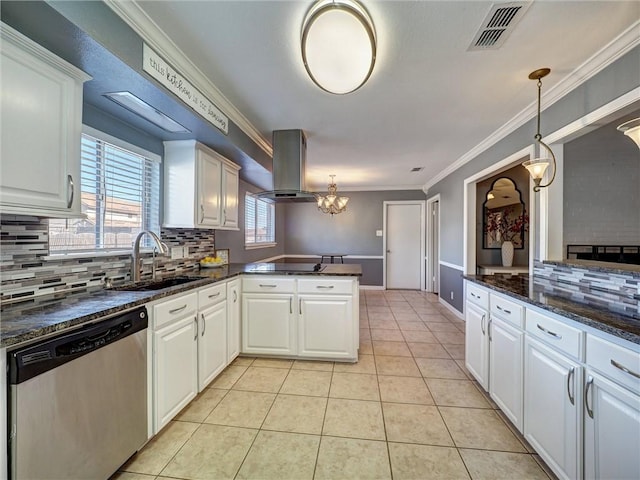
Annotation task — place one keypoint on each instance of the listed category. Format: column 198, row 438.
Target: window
column 120, row 197
column 259, row 219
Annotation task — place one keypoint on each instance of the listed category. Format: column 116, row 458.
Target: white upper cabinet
column 41, row 107
column 200, row 187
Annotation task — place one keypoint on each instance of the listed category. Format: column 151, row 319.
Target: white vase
column 507, row 254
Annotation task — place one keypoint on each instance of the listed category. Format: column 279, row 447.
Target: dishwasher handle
column 31, row 361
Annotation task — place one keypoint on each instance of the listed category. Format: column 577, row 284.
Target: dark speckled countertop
column 526, row 289
column 25, row 321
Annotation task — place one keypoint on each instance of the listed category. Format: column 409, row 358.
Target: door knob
column 388, row 251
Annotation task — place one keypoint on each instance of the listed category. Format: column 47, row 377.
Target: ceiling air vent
column 417, row 169
column 497, row 25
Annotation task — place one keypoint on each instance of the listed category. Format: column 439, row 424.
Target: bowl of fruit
column 212, row 262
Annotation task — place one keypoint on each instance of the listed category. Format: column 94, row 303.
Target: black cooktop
column 289, row 267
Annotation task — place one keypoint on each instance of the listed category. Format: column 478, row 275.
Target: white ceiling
column 429, row 100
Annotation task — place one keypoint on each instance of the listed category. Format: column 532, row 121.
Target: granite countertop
column 24, row 321
column 525, row 288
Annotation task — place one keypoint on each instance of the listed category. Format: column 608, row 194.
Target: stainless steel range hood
column 289, row 156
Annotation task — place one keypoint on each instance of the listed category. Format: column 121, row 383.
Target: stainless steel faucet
column 135, row 256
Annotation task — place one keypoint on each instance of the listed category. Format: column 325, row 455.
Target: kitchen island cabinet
column 212, row 333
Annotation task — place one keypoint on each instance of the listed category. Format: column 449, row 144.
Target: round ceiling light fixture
column 338, row 45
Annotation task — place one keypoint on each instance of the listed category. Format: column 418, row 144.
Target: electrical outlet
column 185, row 252
column 451, row 294
column 176, row 253
column 378, row 233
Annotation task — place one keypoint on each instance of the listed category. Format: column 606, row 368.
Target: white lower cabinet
column 233, row 319
column 611, row 430
column 212, row 338
column 477, row 343
column 324, row 329
column 175, row 356
column 268, row 324
column 553, row 408
column 506, row 345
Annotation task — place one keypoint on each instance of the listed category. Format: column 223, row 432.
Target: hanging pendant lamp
column 632, row 130
column 331, row 203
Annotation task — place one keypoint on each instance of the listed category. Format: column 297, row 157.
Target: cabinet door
column 506, row 345
column 209, row 181
column 325, row 327
column 176, row 368
column 230, row 180
column 553, row 408
column 612, row 430
column 477, row 344
column 233, row 320
column 212, row 343
column 41, row 109
column 268, row 324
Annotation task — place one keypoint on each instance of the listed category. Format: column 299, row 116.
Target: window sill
column 95, row 254
column 254, row 246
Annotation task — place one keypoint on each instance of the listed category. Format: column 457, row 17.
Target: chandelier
column 331, row 203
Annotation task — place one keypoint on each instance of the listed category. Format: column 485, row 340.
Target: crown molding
column 619, row 46
column 342, row 189
column 133, row 15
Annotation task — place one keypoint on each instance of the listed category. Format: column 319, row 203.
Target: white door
column 477, row 344
column 325, row 326
column 404, row 227
column 233, row 320
column 212, row 343
column 434, row 255
column 268, row 324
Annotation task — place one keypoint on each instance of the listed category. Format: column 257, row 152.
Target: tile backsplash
column 27, row 270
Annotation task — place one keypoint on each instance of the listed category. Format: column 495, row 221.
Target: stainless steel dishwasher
column 78, row 401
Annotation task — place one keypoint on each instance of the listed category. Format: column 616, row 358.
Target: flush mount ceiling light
column 141, row 108
column 338, row 45
column 537, row 166
column 331, row 203
column 632, row 130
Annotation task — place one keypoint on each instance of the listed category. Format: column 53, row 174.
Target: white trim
column 385, row 205
column 452, row 265
column 371, row 287
column 430, row 262
column 255, row 246
column 451, row 308
column 100, row 135
column 469, row 210
column 611, row 52
column 356, row 257
column 346, row 188
column 270, row 259
column 132, row 14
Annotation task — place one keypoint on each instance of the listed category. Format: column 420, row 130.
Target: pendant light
column 331, row 203
column 537, row 166
column 632, row 130
column 338, row 45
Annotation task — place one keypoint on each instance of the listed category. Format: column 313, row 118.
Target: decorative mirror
column 504, row 215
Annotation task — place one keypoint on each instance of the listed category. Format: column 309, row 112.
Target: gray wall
column 617, row 79
column 451, row 283
column 602, row 189
column 487, row 256
column 234, row 240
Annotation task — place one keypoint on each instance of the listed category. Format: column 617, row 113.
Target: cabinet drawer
column 618, row 363
column 211, row 295
column 174, row 309
column 506, row 310
column 325, row 286
column 260, row 284
column 477, row 295
column 556, row 333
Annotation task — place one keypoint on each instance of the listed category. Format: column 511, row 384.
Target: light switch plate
column 378, row 233
column 176, row 253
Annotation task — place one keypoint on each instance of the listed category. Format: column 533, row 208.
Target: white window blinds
column 120, row 197
column 259, row 221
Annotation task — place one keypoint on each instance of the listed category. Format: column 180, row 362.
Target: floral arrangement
column 505, row 226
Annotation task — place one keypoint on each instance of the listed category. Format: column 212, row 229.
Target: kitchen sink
column 156, row 284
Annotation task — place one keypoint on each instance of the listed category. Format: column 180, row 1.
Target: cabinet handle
column 214, row 295
column 235, row 296
column 508, row 312
column 549, row 332
column 482, row 323
column 179, row 309
column 586, row 396
column 300, row 306
column 265, row 285
column 624, row 369
column 204, row 323
column 572, row 372
column 290, row 304
column 195, row 320
column 489, row 327
column 201, row 213
column 326, row 287
column 224, row 216
column 474, row 295
column 70, row 187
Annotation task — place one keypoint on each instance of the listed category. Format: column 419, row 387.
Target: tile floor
column 407, row 410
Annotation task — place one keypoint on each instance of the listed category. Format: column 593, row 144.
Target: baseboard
column 372, row 287
column 450, row 307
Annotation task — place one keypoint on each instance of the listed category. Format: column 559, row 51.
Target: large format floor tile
column 408, row 409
